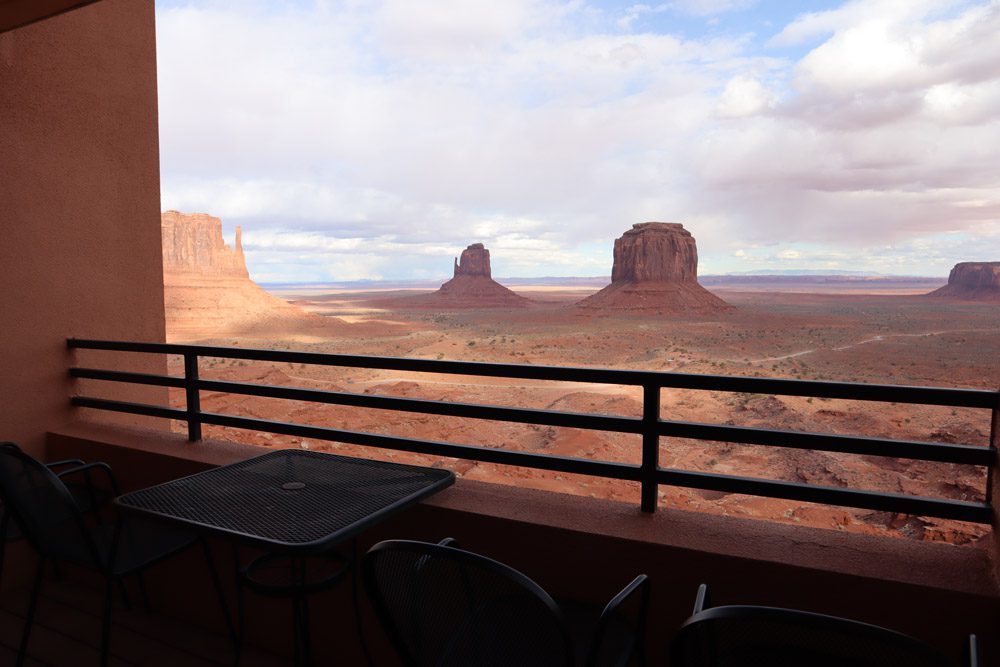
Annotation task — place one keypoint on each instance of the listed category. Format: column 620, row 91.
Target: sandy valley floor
column 894, row 338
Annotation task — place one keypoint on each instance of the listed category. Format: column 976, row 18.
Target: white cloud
column 744, row 96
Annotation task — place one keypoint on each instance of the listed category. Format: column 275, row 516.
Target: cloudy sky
column 355, row 139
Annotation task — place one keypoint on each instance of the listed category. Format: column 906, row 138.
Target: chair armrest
column 449, row 542
column 638, row 586
column 97, row 465
column 701, row 599
column 972, row 652
column 52, row 465
column 640, row 583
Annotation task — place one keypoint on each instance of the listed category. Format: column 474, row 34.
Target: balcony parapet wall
column 587, row 547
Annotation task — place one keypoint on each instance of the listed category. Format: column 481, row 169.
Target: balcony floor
column 67, row 631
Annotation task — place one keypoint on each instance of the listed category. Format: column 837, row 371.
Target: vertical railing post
column 650, row 445
column 193, row 396
column 994, row 470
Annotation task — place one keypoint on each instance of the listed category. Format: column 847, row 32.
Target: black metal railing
column 651, row 425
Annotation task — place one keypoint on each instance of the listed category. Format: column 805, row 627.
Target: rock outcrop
column 207, row 290
column 475, row 261
column 193, row 243
column 655, row 272
column 471, row 286
column 974, row 281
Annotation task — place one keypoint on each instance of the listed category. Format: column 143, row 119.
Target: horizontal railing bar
column 469, row 410
column 848, row 444
column 873, row 500
column 121, row 376
column 130, row 408
column 889, row 502
column 925, row 451
column 966, row 398
column 435, row 448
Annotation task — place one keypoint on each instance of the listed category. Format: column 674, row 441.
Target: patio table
column 289, row 502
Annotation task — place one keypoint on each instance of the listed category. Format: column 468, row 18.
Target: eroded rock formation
column 475, row 261
column 978, row 281
column 207, row 290
column 655, row 272
column 470, row 287
column 193, row 243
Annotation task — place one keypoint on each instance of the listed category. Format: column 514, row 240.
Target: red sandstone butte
column 655, row 272
column 471, row 287
column 974, row 281
column 207, row 290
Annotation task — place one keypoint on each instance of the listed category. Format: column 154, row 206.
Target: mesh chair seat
column 140, row 544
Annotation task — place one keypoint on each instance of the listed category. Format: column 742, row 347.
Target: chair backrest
column 43, row 508
column 445, row 606
column 748, row 636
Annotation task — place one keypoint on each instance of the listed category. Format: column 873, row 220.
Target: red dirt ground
column 880, row 338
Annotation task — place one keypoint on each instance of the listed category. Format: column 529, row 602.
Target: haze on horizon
column 375, row 140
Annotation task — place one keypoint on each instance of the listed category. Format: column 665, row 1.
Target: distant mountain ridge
column 600, row 281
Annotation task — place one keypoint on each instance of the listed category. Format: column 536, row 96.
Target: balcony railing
column 651, row 425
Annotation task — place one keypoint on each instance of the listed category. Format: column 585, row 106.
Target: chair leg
column 22, row 651
column 3, row 553
column 106, row 625
column 124, row 593
column 4, row 525
column 142, row 592
column 217, row 584
column 240, row 616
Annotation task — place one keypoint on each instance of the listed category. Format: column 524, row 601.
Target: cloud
column 544, row 129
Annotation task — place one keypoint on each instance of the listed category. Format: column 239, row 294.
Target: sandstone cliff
column 471, row 286
column 977, row 281
column 207, row 290
column 655, row 272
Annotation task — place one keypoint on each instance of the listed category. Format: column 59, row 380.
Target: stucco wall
column 79, row 205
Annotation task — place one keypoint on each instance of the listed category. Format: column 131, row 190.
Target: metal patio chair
column 51, row 520
column 88, row 497
column 443, row 606
column 752, row 636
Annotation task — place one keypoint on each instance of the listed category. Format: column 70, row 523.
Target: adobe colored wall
column 17, row 13
column 79, row 205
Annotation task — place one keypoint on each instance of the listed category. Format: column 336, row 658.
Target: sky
column 375, row 140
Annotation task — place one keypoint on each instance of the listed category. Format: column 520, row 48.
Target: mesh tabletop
column 289, row 499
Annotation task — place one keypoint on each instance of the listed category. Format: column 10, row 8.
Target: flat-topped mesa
column 193, row 242
column 207, row 291
column 660, row 252
column 975, row 281
column 655, row 271
column 475, row 261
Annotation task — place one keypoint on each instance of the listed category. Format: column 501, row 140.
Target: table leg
column 355, row 564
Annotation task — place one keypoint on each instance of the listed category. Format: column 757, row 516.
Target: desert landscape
column 653, row 315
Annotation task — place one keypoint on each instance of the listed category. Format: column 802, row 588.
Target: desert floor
column 891, row 338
